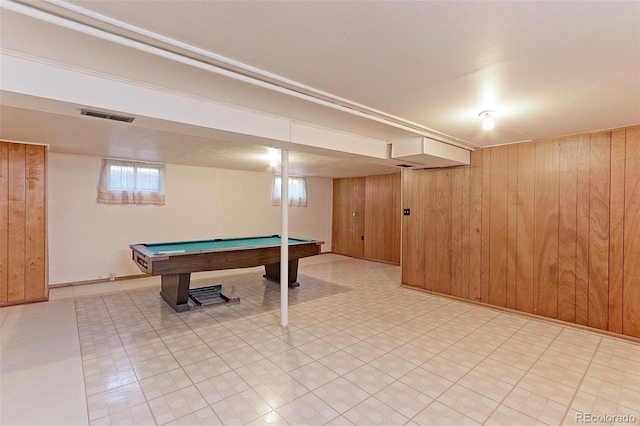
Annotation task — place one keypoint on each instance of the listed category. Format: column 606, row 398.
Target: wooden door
column 348, row 216
column 382, row 212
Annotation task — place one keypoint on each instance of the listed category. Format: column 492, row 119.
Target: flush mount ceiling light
column 274, row 156
column 487, row 119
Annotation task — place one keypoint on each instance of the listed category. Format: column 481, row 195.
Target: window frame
column 134, row 187
column 299, row 200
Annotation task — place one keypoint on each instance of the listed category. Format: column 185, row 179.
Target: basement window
column 297, row 192
column 131, row 182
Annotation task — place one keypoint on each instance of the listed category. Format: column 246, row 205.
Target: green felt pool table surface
column 219, row 244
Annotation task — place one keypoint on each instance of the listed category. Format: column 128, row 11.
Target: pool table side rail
column 212, row 260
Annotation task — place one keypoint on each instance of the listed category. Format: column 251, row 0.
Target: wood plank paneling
column 567, row 229
column 412, row 234
column 35, row 247
column 466, row 233
column 616, row 230
column 4, row 221
column 512, row 227
column 485, row 276
column 420, row 232
column 560, row 218
column 582, row 230
column 599, row 230
column 545, row 278
column 457, row 189
column 443, row 231
column 17, row 223
column 475, row 225
column 498, row 225
column 525, row 227
column 631, row 280
column 431, row 211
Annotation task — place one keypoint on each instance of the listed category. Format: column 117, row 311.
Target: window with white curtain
column 297, row 192
column 131, row 182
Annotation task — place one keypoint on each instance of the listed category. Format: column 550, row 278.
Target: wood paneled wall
column 23, row 242
column 549, row 227
column 366, row 217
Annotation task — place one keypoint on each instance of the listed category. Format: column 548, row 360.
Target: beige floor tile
column 115, row 400
column 280, row 390
column 472, row 404
column 486, row 385
column 501, row 370
column 341, row 362
column 122, row 357
column 364, row 351
column 241, row 357
column 202, row 417
column 206, row 369
column 109, row 379
column 427, row 382
column 446, row 368
column 137, row 415
column 318, row 349
column 439, row 414
column 372, row 411
column 307, row 410
column 536, row 406
column 259, row 371
column 164, row 383
column 221, row 387
column 341, row 394
column 404, row 399
column 241, row 408
column 270, row 419
column 369, row 378
column 291, row 359
column 174, row 405
column 504, row 415
column 194, row 354
column 153, row 366
column 393, row 365
column 313, row 375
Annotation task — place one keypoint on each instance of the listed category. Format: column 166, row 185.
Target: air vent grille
column 106, row 115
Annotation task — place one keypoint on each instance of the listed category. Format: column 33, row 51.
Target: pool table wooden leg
column 175, row 291
column 272, row 272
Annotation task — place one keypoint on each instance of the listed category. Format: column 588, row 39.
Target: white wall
column 89, row 241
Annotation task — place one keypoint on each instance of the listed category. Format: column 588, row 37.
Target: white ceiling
column 548, row 69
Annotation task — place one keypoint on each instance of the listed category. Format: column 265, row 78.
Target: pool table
column 175, row 261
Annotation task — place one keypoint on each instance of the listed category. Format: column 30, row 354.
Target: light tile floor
column 359, row 350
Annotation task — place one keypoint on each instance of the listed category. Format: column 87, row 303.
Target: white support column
column 284, row 234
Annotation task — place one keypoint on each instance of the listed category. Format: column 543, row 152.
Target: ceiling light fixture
column 487, row 119
column 274, row 156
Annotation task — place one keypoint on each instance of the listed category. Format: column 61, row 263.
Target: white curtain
column 131, row 182
column 297, row 192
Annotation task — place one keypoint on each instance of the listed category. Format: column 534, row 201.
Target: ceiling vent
column 106, row 115
column 429, row 152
